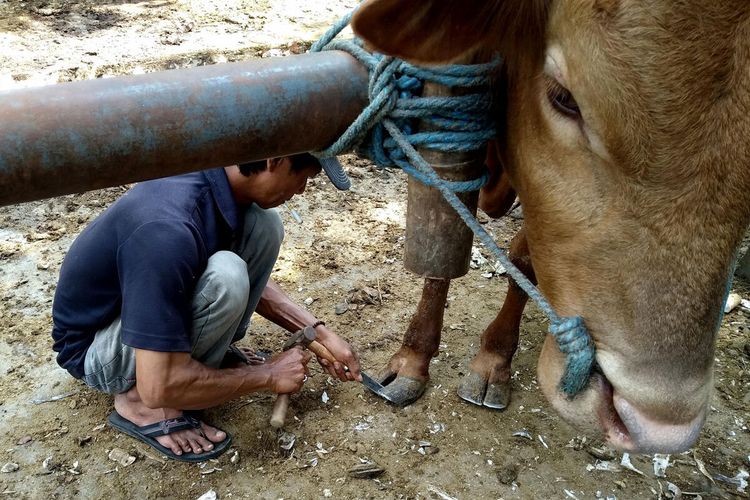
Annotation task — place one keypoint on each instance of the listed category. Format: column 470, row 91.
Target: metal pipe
column 85, row 135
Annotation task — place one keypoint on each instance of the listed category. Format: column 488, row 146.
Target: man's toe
column 200, row 444
column 214, row 434
column 171, row 443
column 184, row 444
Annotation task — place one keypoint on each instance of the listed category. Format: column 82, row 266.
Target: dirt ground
column 53, row 443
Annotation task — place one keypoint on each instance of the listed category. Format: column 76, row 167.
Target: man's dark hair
column 299, row 162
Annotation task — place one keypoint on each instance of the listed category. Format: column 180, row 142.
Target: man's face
column 279, row 182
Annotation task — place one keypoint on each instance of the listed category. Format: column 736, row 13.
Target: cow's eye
column 562, row 100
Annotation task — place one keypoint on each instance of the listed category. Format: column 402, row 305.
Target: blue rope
column 385, row 133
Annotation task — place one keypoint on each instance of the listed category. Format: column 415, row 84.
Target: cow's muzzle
column 630, row 429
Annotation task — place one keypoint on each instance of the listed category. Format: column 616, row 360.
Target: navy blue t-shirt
column 140, row 260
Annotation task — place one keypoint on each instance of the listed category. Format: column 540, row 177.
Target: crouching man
column 155, row 291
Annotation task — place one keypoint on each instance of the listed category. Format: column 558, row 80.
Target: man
column 154, row 292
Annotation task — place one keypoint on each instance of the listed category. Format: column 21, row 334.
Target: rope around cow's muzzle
column 384, row 134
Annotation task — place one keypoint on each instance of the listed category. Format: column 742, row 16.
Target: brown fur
column 515, row 28
column 497, row 196
column 633, row 211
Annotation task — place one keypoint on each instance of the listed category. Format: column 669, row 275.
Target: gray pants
column 225, row 298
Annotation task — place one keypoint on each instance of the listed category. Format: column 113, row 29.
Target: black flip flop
column 148, row 433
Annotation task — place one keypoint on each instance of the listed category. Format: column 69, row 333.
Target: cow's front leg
column 488, row 381
column 407, row 373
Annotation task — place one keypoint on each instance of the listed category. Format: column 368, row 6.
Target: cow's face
column 626, row 137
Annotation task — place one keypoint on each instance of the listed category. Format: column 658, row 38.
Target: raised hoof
column 403, row 391
column 474, row 389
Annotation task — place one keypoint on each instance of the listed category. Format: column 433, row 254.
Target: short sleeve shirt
column 140, row 260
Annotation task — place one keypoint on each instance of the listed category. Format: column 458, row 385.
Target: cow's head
column 626, row 133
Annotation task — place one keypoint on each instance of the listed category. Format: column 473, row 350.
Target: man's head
column 330, row 166
column 271, row 182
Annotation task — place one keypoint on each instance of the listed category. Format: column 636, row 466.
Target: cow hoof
column 403, row 391
column 497, row 396
column 475, row 390
column 472, row 388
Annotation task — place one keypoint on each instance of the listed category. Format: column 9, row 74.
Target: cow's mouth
column 614, row 428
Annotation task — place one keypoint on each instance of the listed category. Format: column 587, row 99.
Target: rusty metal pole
column 438, row 242
column 78, row 136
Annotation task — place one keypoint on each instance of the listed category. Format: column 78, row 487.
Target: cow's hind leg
column 488, row 381
column 407, row 373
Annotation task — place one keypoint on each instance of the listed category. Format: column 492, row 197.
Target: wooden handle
column 278, row 415
column 320, row 351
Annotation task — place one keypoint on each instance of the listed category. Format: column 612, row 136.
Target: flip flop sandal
column 149, row 433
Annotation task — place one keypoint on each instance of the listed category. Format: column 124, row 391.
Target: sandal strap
column 169, row 426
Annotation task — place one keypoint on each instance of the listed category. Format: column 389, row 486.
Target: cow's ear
column 422, row 30
column 432, row 31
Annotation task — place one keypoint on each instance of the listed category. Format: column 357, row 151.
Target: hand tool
column 302, row 338
column 306, row 338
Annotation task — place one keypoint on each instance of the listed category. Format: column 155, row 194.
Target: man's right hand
column 288, row 370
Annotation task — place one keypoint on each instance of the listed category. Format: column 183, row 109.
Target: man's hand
column 288, row 370
column 276, row 306
column 344, row 354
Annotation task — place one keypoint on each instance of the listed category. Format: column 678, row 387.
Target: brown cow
column 625, row 135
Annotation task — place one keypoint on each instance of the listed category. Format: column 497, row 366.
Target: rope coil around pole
column 384, row 134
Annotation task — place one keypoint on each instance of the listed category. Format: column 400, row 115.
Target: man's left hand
column 346, row 368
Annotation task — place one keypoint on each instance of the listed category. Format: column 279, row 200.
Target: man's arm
column 275, row 305
column 176, row 380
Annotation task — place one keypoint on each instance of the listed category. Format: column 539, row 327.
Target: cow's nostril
column 614, row 428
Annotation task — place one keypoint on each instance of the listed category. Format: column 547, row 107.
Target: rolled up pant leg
column 256, row 250
column 218, row 306
column 258, row 246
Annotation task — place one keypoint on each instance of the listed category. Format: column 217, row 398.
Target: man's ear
column 435, row 31
column 273, row 163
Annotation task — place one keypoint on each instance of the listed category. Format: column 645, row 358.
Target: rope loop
column 575, row 342
column 386, row 133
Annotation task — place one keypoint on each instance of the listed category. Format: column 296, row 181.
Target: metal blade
column 374, row 386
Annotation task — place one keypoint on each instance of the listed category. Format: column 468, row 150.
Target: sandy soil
column 437, row 448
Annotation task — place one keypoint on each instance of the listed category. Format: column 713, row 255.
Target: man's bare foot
column 239, row 356
column 130, row 406
column 252, row 357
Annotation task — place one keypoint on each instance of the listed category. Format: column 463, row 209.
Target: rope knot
column 574, row 340
column 461, row 123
